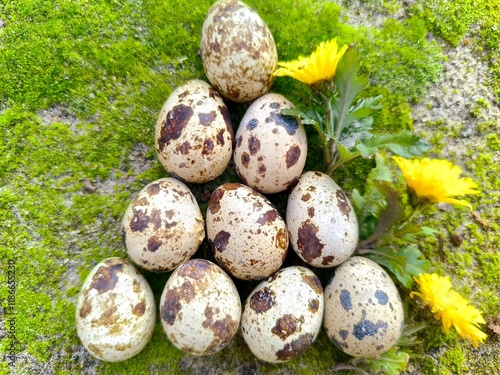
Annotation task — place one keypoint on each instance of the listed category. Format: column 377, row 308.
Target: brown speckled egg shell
column 200, row 308
column 194, row 134
column 364, row 314
column 115, row 311
column 249, row 238
column 283, row 315
column 163, row 225
column 271, row 149
column 321, row 221
column 238, row 51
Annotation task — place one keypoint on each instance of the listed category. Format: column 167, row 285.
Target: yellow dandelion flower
column 436, row 180
column 321, row 65
column 450, row 307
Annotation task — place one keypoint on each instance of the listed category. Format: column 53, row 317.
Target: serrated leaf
column 415, row 264
column 369, row 205
column 344, row 153
column 304, row 119
column 349, row 85
column 361, row 110
column 403, row 263
column 344, row 156
column 388, row 258
column 404, row 144
column 390, row 215
column 393, row 362
column 372, row 195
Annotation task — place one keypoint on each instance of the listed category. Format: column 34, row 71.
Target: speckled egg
column 363, row 310
column 321, row 221
column 248, row 236
column 163, row 225
column 194, row 133
column 200, row 308
column 238, row 51
column 283, row 315
column 271, row 149
column 115, row 311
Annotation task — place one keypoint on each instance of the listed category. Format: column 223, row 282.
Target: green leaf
column 349, row 85
column 403, row 263
column 359, row 112
column 393, row 362
column 369, row 205
column 404, row 144
column 304, row 119
column 388, row 258
column 390, row 215
column 344, row 156
column 415, row 264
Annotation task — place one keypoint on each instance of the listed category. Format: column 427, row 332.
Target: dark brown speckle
column 245, row 159
column 327, row 260
column 343, row 203
column 305, row 197
column 184, row 148
column 313, row 282
column 268, row 217
column 308, row 243
column 287, row 325
column 195, row 269
column 171, row 307
column 174, row 124
column 253, row 145
column 292, row 156
column 220, row 137
column 295, row 348
column 214, row 202
column 154, row 243
column 85, row 309
column 208, row 146
column 106, row 277
column 220, row 241
column 206, row 118
column 153, row 189
column 313, row 305
column 139, row 309
column 227, row 119
column 222, row 329
column 262, row 300
column 310, row 212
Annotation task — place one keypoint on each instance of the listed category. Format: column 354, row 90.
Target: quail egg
column 238, row 51
column 364, row 313
column 163, row 225
column 321, row 221
column 283, row 315
column 271, row 149
column 247, row 234
column 200, row 308
column 115, row 311
column 194, row 134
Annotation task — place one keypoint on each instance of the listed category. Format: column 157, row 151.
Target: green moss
column 109, row 66
column 450, row 20
column 401, row 59
column 493, row 142
column 453, row 361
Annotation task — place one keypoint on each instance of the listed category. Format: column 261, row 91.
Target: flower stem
column 329, row 129
column 324, row 141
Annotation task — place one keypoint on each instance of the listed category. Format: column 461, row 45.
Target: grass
column 82, row 83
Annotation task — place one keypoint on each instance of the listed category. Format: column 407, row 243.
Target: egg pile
column 200, row 308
